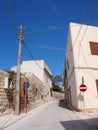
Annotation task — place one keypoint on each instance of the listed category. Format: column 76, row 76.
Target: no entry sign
column 83, row 88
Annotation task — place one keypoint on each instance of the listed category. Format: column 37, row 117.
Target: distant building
column 39, row 68
column 81, row 65
column 39, row 76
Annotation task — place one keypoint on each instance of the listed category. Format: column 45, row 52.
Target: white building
column 82, row 64
column 39, row 68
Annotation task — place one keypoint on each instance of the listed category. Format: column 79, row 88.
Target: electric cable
column 94, row 10
column 32, row 56
column 85, row 14
column 83, row 19
column 46, row 47
column 12, row 18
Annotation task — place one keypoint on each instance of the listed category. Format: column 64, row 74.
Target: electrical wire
column 32, row 56
column 94, row 10
column 83, row 19
column 80, row 48
column 87, row 10
column 86, row 63
column 59, row 28
column 82, row 40
column 12, row 18
column 50, row 29
column 46, row 47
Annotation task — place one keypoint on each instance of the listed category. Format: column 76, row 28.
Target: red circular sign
column 83, row 88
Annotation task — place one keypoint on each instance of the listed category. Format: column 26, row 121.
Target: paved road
column 52, row 117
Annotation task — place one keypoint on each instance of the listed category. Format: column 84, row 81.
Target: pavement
column 8, row 120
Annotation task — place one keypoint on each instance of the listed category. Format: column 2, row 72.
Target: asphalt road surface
column 53, row 116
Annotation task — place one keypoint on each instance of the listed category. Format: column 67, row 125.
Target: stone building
column 6, row 97
column 36, row 93
column 39, row 76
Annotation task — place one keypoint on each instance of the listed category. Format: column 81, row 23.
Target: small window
column 68, row 64
column 36, row 91
column 97, row 85
column 42, row 97
column 7, row 83
column 94, row 48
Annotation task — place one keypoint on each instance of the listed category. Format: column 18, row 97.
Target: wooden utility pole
column 17, row 97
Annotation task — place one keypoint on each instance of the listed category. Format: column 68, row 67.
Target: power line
column 82, row 40
column 84, row 35
column 31, row 55
column 87, row 25
column 46, row 47
column 47, row 30
column 12, row 17
column 95, row 7
column 83, row 19
column 85, row 14
column 58, row 28
column 87, row 9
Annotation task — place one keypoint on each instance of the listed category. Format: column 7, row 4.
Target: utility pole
column 17, row 96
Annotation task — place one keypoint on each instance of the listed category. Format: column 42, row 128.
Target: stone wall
column 6, row 95
column 58, row 95
column 37, row 92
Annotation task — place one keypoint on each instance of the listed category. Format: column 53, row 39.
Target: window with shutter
column 94, row 48
column 97, row 85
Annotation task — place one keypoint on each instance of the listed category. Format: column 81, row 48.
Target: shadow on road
column 83, row 124
column 63, row 104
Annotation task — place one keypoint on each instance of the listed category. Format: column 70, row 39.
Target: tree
column 57, row 81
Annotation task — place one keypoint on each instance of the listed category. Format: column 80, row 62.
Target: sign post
column 83, row 88
column 26, row 86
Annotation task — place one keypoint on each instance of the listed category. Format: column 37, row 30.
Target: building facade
column 42, row 84
column 39, row 68
column 81, row 67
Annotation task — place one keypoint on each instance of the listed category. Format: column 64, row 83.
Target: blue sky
column 42, row 21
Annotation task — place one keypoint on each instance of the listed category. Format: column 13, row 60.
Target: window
column 97, row 85
column 68, row 64
column 7, row 82
column 94, row 48
column 36, row 91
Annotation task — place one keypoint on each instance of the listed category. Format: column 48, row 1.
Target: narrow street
column 53, row 117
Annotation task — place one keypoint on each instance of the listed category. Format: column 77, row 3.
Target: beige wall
column 82, row 63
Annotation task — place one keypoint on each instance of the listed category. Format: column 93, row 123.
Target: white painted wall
column 70, row 71
column 79, row 55
column 37, row 68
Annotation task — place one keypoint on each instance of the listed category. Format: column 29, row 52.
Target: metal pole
column 25, row 103
column 83, row 96
column 82, row 80
column 17, row 100
column 83, row 103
